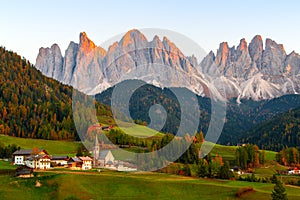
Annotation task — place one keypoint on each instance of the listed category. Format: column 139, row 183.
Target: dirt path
column 293, row 186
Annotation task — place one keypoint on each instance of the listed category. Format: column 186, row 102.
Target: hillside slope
column 32, row 105
column 277, row 133
column 240, row 118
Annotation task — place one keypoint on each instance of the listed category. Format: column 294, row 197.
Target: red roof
column 85, row 158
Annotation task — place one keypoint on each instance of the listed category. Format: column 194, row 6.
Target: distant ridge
column 256, row 71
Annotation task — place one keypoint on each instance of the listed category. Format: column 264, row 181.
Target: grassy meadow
column 52, row 146
column 120, row 185
column 65, row 184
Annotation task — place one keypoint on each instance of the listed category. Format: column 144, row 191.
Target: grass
column 269, row 169
column 120, row 185
column 228, row 152
column 6, row 165
column 270, row 155
column 135, row 130
column 52, row 147
column 140, row 131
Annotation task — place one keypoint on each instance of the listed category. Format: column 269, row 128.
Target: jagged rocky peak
column 85, row 42
column 171, row 47
column 156, row 43
column 243, row 45
column 273, row 58
column 292, row 64
column 49, row 61
column 206, row 65
column 133, row 39
column 245, row 71
column 256, row 50
column 276, row 49
column 272, row 44
column 69, row 62
column 222, row 54
column 86, row 45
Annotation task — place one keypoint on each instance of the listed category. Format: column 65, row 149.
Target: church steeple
column 96, row 149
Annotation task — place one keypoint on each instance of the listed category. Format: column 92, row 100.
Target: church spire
column 96, row 141
column 96, row 150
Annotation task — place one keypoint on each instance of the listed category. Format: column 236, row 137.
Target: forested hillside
column 240, row 118
column 32, row 105
column 277, row 133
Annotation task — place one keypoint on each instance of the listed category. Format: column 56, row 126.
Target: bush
column 279, row 192
column 243, row 190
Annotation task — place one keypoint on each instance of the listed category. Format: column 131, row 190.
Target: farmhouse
column 41, row 161
column 86, row 163
column 80, row 163
column 75, row 163
column 293, row 171
column 59, row 160
column 20, row 156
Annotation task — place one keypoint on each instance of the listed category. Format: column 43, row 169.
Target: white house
column 60, row 160
column 293, row 171
column 106, row 158
column 41, row 161
column 86, row 163
column 20, row 156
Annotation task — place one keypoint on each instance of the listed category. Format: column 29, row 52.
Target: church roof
column 103, row 154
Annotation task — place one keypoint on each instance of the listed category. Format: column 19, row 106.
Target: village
column 38, row 159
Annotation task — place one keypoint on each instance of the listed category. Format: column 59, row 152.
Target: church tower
column 96, row 150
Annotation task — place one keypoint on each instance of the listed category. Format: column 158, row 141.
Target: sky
column 28, row 25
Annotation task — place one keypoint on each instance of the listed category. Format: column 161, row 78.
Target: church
column 103, row 156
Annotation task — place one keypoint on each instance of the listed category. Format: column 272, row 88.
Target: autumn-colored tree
column 35, row 150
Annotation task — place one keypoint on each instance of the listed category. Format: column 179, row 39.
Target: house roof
column 37, row 157
column 103, row 154
column 59, row 157
column 85, row 158
column 30, row 158
column 25, row 151
column 105, row 127
column 75, row 159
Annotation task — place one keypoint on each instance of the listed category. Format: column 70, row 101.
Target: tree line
column 288, row 157
column 249, row 156
column 7, row 151
column 35, row 106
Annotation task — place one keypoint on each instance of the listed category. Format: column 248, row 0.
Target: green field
column 65, row 184
column 141, row 131
column 228, row 152
column 52, row 146
column 117, row 185
column 269, row 169
column 135, row 130
column 69, row 148
column 4, row 165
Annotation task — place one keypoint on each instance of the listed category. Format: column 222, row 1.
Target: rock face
column 50, row 62
column 252, row 71
column 245, row 71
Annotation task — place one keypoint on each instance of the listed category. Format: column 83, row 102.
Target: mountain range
column 35, row 106
column 256, row 71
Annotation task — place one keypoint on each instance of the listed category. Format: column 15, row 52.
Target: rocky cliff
column 246, row 71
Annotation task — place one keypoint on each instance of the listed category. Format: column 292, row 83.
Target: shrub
column 243, row 190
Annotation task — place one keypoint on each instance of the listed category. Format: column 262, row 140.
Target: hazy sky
column 28, row 25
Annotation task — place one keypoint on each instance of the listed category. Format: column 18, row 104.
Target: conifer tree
column 279, row 192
